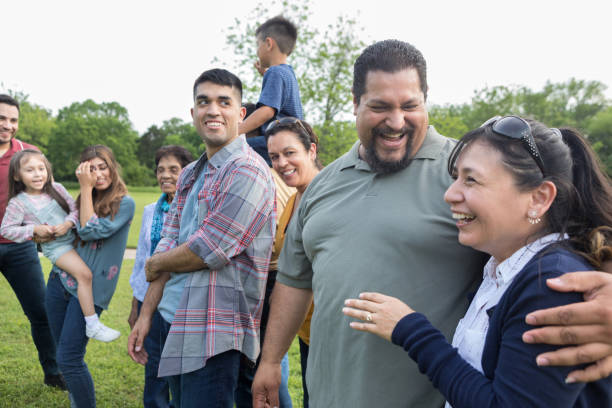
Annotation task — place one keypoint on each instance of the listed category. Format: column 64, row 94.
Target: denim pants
column 213, row 385
column 68, row 328
column 20, row 266
column 244, row 398
column 156, row 390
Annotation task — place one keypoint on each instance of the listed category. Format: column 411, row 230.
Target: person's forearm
column 153, row 296
column 134, row 302
column 288, row 309
column 86, row 210
column 256, row 119
column 177, row 260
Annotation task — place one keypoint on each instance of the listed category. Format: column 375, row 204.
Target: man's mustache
column 385, row 130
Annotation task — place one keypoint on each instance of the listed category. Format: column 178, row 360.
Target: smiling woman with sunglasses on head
column 536, row 200
column 293, row 146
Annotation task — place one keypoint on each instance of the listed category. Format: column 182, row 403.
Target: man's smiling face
column 216, row 114
column 391, row 119
column 9, row 122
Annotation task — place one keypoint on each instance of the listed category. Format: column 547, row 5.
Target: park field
column 118, row 380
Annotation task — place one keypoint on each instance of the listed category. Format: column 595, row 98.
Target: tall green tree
column 600, row 137
column 87, row 123
column 172, row 131
column 36, row 123
column 335, row 139
column 571, row 103
column 322, row 60
column 447, row 120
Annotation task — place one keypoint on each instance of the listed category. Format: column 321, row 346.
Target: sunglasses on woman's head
column 515, row 127
column 288, row 120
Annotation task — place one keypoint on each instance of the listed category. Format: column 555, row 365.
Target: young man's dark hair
column 388, row 56
column 283, row 31
column 220, row 77
column 9, row 100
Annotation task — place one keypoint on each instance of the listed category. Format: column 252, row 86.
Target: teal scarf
column 161, row 207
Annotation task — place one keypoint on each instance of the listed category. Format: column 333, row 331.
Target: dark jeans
column 244, row 397
column 156, row 390
column 213, row 385
column 68, row 328
column 20, row 266
column 303, row 360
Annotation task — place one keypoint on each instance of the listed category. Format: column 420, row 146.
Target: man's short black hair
column 283, row 31
column 219, row 76
column 9, row 100
column 388, row 56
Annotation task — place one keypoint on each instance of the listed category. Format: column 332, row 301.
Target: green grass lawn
column 118, row 380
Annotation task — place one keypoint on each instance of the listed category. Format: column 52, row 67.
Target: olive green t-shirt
column 358, row 231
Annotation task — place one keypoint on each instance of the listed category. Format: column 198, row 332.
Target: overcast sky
column 146, row 54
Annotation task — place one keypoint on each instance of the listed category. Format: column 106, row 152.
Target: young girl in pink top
column 40, row 207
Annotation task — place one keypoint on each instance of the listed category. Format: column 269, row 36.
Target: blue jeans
column 20, row 266
column 244, row 398
column 68, row 328
column 213, row 385
column 156, row 391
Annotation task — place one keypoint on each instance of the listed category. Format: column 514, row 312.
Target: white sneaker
column 102, row 333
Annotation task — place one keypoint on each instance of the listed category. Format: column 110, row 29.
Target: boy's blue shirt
column 281, row 92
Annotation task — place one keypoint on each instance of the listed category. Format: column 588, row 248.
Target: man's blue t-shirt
column 280, row 91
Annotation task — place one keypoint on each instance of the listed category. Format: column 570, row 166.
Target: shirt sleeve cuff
column 30, row 231
column 164, row 245
column 294, row 283
column 214, row 259
column 405, row 327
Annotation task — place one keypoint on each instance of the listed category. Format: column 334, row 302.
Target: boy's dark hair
column 219, row 76
column 9, row 100
column 181, row 154
column 388, row 56
column 283, row 31
column 250, row 108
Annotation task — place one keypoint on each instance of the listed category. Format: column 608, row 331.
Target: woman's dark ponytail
column 590, row 226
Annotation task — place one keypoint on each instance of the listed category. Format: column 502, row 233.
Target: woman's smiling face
column 491, row 212
column 291, row 160
column 168, row 170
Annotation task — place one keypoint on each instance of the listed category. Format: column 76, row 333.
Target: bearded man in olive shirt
column 375, row 220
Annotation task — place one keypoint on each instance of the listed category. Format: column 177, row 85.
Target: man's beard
column 381, row 166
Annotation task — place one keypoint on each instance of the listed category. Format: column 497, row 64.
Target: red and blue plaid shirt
column 220, row 307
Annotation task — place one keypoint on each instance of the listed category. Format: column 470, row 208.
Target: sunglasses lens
column 517, row 128
column 511, row 126
column 489, row 121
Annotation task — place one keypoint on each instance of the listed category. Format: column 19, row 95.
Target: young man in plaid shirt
column 209, row 271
